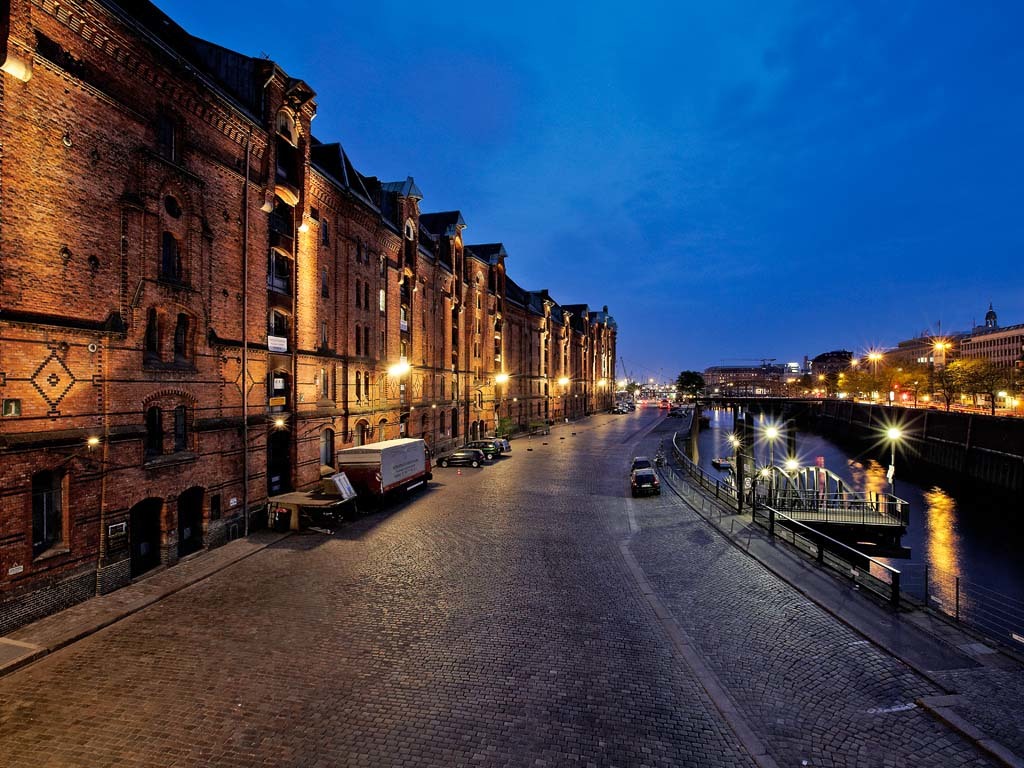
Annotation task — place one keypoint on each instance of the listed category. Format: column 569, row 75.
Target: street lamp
column 874, row 357
column 893, row 434
column 398, row 370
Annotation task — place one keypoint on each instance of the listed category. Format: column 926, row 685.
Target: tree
column 981, row 377
column 690, row 383
column 946, row 379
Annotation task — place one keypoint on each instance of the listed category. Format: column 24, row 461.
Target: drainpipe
column 245, row 334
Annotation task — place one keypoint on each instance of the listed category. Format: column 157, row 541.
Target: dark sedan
column 464, row 457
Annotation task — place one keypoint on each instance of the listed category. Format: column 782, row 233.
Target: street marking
column 892, row 709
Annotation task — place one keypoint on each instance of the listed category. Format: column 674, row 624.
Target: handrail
column 816, row 538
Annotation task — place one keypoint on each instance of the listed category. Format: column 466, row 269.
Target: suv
column 643, row 481
column 491, row 448
column 472, row 457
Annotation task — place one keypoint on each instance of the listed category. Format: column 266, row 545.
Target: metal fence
column 992, row 613
column 862, row 569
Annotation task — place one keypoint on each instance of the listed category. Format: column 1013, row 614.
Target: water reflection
column 868, row 477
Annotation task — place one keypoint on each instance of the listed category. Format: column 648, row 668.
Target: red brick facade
column 200, row 303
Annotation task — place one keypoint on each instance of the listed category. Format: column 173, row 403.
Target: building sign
column 278, row 383
column 277, row 401
column 277, row 343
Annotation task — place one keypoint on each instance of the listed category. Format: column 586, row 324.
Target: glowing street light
column 874, row 357
column 501, row 378
column 893, row 435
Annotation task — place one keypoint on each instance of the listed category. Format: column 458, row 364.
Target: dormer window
column 285, row 127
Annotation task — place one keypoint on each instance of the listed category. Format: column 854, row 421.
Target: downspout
column 245, row 334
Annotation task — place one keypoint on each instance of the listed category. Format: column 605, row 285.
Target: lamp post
column 563, row 382
column 771, row 434
column 500, row 380
column 398, row 371
column 893, row 434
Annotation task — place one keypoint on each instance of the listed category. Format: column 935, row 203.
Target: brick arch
column 169, row 395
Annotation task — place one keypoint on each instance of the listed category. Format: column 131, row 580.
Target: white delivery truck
column 390, row 466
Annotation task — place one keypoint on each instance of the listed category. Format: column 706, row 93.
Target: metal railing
column 876, row 576
column 989, row 611
column 880, row 509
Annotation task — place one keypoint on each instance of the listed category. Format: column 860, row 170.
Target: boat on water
column 719, row 463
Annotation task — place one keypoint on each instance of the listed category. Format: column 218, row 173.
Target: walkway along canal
column 966, row 558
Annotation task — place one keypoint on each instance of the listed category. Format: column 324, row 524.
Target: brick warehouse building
column 200, row 303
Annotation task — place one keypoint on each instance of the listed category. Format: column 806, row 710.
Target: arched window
column 327, row 448
column 359, row 341
column 47, row 511
column 359, row 295
column 181, row 340
column 359, row 386
column 366, row 383
column 154, row 445
column 325, row 384
column 442, row 423
column 361, row 428
column 151, row 354
column 382, row 426
column 366, row 341
column 170, row 257
column 366, row 295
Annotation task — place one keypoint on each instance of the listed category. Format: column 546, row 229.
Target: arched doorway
column 144, row 535
column 382, row 428
column 278, row 462
column 360, row 436
column 190, row 521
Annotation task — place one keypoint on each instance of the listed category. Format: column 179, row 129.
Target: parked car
column 472, row 457
column 506, row 446
column 491, row 448
column 620, row 408
column 640, row 462
column 644, row 481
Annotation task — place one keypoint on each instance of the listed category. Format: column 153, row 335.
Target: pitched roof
column 444, row 224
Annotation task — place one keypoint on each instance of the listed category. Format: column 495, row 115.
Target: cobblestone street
column 490, row 621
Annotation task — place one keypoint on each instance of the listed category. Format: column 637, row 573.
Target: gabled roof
column 332, row 161
column 491, row 253
column 444, row 224
column 405, row 188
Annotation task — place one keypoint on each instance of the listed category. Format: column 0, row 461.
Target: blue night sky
column 735, row 180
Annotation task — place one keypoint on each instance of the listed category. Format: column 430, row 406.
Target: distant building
column 1002, row 346
column 752, row 380
column 831, row 362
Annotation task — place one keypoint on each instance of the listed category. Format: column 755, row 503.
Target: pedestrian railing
column 862, row 569
column 989, row 611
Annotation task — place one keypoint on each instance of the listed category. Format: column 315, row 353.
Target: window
column 167, row 137
column 279, row 324
column 170, row 257
column 172, row 206
column 154, row 444
column 359, row 386
column 325, row 232
column 327, row 448
column 366, row 341
column 323, row 334
column 12, row 407
column 359, row 341
column 358, row 295
column 279, row 272
column 47, row 511
column 366, row 295
column 180, row 428
column 383, row 300
column 325, row 283
column 151, row 353
column 181, row 354
column 324, row 384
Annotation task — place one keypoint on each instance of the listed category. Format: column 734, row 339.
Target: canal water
column 955, row 537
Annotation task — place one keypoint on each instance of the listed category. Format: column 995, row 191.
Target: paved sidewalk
column 35, row 640
column 984, row 686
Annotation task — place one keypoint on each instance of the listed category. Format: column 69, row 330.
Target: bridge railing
column 876, row 576
column 864, row 509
